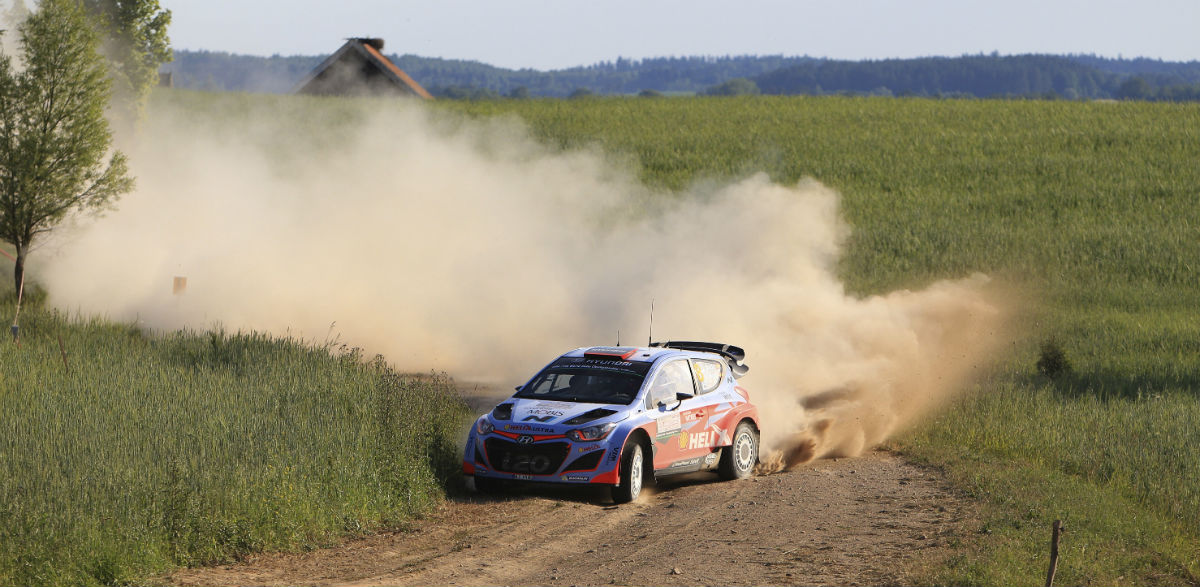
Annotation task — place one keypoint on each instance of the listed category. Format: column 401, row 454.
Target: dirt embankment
column 866, row 520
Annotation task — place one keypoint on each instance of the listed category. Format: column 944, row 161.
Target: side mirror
column 679, row 397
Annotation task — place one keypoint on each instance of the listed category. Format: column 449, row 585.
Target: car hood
column 547, row 412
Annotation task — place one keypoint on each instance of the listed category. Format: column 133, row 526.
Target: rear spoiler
column 732, row 354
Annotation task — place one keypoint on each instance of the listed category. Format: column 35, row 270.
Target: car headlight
column 592, row 433
column 484, row 426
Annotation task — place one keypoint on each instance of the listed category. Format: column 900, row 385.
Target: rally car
column 622, row 417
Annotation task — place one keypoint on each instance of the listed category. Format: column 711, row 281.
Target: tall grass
column 145, row 451
column 1123, row 473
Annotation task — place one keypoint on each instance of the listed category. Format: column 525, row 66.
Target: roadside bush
column 1052, row 359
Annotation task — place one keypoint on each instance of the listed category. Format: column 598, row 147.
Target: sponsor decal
column 546, row 412
column 527, row 428
column 668, row 425
column 612, row 456
column 683, row 439
column 709, row 459
column 533, row 418
column 696, row 415
column 536, row 437
column 589, row 362
column 575, row 477
column 523, row 477
column 590, row 448
column 685, row 463
column 705, row 439
column 605, row 364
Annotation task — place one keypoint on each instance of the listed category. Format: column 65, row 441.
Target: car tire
column 738, row 460
column 634, row 472
column 487, row 485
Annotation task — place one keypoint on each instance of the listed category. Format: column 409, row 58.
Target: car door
column 678, row 441
column 703, row 414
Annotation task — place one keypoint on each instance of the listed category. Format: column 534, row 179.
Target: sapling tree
column 56, row 157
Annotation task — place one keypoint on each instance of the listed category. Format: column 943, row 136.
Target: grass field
column 1091, row 209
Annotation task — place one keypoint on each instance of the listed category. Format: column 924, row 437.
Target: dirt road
column 866, row 520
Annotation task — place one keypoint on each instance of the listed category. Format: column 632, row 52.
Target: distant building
column 359, row 68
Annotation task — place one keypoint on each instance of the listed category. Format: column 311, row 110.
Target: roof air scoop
column 610, row 352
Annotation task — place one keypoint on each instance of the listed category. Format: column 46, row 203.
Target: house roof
column 367, row 50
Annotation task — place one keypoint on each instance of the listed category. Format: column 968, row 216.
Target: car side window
column 708, row 374
column 674, row 377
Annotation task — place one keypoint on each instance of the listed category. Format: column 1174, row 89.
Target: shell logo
column 683, row 439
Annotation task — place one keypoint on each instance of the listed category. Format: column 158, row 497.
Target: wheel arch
column 743, row 413
column 753, row 421
column 642, row 437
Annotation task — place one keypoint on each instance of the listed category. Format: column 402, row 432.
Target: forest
column 968, row 76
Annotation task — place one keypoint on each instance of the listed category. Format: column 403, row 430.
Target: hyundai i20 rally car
column 622, row 417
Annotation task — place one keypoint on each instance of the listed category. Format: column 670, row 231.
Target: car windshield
column 587, row 380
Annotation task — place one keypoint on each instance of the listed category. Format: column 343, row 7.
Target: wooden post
column 16, row 325
column 1058, row 530
column 63, row 350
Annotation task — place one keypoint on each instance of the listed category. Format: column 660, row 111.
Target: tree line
column 976, row 76
column 988, row 76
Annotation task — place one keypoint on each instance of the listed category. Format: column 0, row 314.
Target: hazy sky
column 562, row 33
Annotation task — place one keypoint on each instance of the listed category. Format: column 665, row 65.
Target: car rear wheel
column 633, row 473
column 738, row 460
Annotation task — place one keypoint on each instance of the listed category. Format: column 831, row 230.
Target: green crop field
column 1091, row 210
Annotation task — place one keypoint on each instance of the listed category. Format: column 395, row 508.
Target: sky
column 556, row 34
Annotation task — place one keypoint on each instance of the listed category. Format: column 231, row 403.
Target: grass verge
column 124, row 453
column 1122, row 474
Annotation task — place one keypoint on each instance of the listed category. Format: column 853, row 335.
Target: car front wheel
column 633, row 472
column 738, row 460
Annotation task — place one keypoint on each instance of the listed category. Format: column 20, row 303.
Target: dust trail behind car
column 466, row 246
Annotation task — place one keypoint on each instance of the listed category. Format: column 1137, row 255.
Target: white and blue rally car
column 621, row 416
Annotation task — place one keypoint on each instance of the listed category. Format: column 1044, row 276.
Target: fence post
column 63, row 350
column 1058, row 530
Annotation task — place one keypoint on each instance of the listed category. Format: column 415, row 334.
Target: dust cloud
column 466, row 246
